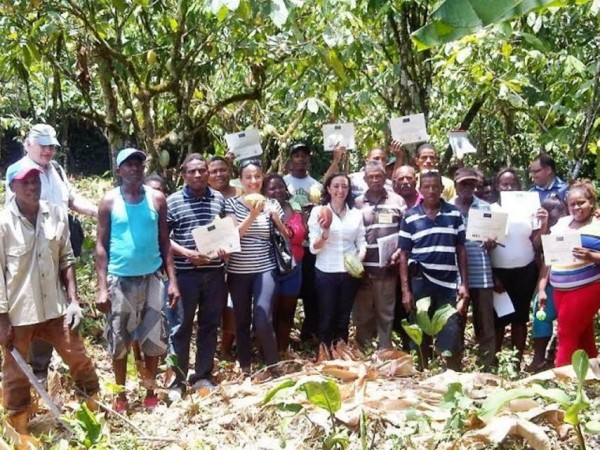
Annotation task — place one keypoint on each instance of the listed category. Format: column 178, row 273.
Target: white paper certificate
column 460, row 143
column 486, row 224
column 338, row 134
column 245, row 144
column 387, row 246
column 221, row 234
column 523, row 203
column 558, row 248
column 409, row 129
column 503, row 304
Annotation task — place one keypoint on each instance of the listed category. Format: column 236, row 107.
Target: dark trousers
column 40, row 354
column 203, row 295
column 336, row 293
column 482, row 300
column 252, row 295
column 310, row 325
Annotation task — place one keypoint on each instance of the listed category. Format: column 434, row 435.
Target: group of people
column 154, row 283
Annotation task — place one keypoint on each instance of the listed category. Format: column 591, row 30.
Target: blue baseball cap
column 43, row 134
column 127, row 153
column 20, row 170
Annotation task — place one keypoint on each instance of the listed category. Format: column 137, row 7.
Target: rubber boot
column 19, row 422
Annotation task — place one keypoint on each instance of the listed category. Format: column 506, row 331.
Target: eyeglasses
column 534, row 171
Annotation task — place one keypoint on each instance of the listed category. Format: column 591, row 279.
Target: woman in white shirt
column 514, row 264
column 335, row 229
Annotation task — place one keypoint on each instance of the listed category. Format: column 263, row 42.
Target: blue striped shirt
column 479, row 267
column 185, row 213
column 432, row 243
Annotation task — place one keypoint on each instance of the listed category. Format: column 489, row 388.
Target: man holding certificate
column 376, row 297
column 432, row 242
column 201, row 279
column 479, row 267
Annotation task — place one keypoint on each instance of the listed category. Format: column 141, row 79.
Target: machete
column 35, row 383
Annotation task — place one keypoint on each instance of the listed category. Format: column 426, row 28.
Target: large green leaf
column 413, row 331
column 324, row 394
column 453, row 19
column 440, row 317
column 422, row 315
column 581, row 365
column 286, row 384
column 498, row 400
column 89, row 423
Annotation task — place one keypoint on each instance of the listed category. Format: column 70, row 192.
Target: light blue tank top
column 134, row 249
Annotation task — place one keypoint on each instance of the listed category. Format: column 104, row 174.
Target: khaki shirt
column 31, row 259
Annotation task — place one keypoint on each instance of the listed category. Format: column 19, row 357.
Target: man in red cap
column 40, row 147
column 38, row 291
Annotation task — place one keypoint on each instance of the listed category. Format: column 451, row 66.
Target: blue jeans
column 203, row 294
column 450, row 339
column 336, row 293
column 252, row 295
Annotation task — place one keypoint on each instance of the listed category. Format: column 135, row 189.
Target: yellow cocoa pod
column 255, row 200
column 164, row 158
column 314, row 194
column 353, row 265
column 151, row 57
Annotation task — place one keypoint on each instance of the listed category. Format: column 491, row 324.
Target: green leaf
column 422, row 315
column 324, row 394
column 440, row 318
column 89, row 423
column 120, row 5
column 498, row 400
column 572, row 413
column 553, row 394
column 451, row 395
column 290, row 407
column 286, row 384
column 336, row 64
column 575, row 65
column 413, row 331
column 454, row 19
column 173, row 24
column 581, row 365
column 336, row 441
column 223, row 13
column 592, row 427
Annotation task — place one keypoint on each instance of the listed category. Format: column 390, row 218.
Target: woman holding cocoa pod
column 336, row 234
column 251, row 273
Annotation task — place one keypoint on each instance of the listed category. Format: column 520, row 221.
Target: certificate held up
column 221, row 234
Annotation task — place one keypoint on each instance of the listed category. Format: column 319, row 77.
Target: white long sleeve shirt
column 346, row 235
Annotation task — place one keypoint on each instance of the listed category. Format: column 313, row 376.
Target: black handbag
column 283, row 252
column 76, row 234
